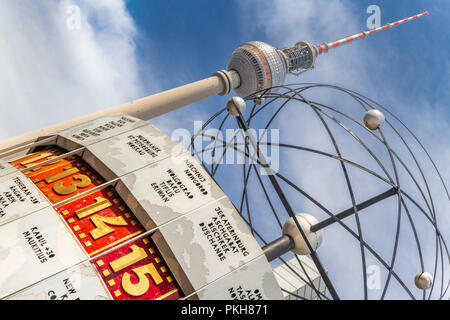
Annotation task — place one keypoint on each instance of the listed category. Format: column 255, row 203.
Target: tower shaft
column 222, row 82
column 253, row 67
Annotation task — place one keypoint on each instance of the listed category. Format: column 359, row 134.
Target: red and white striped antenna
column 326, row 46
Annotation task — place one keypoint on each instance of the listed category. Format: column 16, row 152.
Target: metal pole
column 278, row 247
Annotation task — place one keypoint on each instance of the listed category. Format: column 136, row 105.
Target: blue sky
column 129, row 49
column 188, row 40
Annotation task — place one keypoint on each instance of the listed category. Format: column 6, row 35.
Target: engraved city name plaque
column 167, row 190
column 129, row 151
column 80, row 282
column 96, row 130
column 19, row 197
column 253, row 281
column 205, row 245
column 33, row 248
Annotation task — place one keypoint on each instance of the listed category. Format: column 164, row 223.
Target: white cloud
column 50, row 73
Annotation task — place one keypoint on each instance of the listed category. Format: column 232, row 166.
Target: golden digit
column 29, row 162
column 100, row 204
column 45, row 165
column 61, row 189
column 138, row 289
column 61, row 175
column 136, row 254
column 102, row 229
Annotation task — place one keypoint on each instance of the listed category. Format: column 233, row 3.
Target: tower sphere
column 373, row 119
column 306, row 221
column 234, row 104
column 259, row 65
column 423, row 280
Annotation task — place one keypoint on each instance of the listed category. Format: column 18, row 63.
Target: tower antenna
column 262, row 66
column 326, row 46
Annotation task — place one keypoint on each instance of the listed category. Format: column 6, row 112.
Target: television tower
column 79, row 164
column 252, row 67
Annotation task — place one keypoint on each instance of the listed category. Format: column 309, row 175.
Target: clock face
column 114, row 209
column 99, row 220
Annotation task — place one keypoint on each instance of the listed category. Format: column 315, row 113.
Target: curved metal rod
column 433, row 213
column 314, row 256
column 295, row 187
column 432, row 208
column 349, row 230
column 350, row 189
column 362, row 102
column 381, row 166
column 367, row 170
column 353, row 93
column 309, row 282
column 407, row 169
column 440, row 241
column 246, row 197
column 340, row 159
column 346, row 161
column 346, row 177
column 399, row 215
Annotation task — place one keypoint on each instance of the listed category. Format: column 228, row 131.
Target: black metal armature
column 350, row 211
column 414, row 198
column 291, row 214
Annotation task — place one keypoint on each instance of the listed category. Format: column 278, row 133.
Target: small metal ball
column 306, row 221
column 373, row 119
column 234, row 104
column 258, row 100
column 423, row 280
